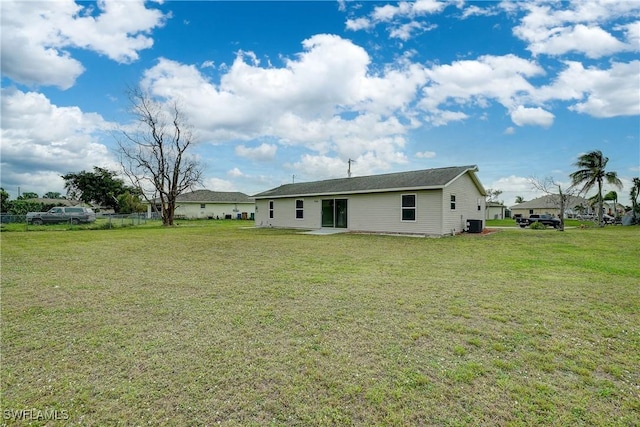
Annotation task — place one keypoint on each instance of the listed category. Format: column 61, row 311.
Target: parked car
column 544, row 219
column 72, row 215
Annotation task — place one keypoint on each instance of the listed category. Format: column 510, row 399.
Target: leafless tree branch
column 155, row 154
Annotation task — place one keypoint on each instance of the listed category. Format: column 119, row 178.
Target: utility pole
column 293, row 179
column 349, row 170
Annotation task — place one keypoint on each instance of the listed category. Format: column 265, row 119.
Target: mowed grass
column 211, row 323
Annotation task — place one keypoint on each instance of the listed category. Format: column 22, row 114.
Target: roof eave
column 344, row 193
column 473, row 169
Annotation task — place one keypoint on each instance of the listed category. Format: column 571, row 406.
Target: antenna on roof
column 349, row 170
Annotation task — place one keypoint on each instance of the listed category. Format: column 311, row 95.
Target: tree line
column 100, row 188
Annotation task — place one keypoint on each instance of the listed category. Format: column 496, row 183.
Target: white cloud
column 235, row 173
column 325, row 99
column 510, row 130
column 474, row 10
column 523, row 116
column 613, row 92
column 217, row 184
column 475, row 82
column 401, row 19
column 426, row 154
column 632, row 33
column 555, row 29
column 599, row 92
column 359, row 24
column 315, row 167
column 407, row 9
column 513, row 186
column 594, row 42
column 264, row 152
column 443, row 117
column 36, row 37
column 44, row 141
column 406, row 31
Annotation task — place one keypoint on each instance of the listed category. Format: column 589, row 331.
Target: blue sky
column 277, row 90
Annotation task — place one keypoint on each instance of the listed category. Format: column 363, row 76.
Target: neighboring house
column 495, row 210
column 550, row 204
column 425, row 202
column 609, row 208
column 212, row 205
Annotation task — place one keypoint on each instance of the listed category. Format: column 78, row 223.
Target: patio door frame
column 334, row 213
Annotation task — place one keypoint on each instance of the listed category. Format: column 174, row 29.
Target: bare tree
column 155, row 155
column 551, row 188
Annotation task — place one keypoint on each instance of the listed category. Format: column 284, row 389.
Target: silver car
column 72, row 215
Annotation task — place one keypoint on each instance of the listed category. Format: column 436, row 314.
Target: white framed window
column 452, row 200
column 271, row 209
column 203, row 205
column 408, row 207
column 299, row 209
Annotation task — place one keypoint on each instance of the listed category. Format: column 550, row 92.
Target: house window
column 270, row 208
column 299, row 209
column 453, row 202
column 408, row 207
column 202, row 205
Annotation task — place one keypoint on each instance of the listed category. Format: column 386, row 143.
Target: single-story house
column 495, row 210
column 212, row 205
column 613, row 209
column 550, row 204
column 425, row 202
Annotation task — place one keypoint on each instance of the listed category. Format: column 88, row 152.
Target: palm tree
column 519, row 199
column 591, row 171
column 634, row 193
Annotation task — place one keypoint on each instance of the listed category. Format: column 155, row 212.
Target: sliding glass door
column 334, row 213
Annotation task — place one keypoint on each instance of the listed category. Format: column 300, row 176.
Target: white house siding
column 468, row 198
column 382, row 212
column 373, row 212
column 494, row 212
column 213, row 210
column 284, row 213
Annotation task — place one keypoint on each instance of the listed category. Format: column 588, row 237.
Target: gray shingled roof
column 421, row 179
column 551, row 202
column 208, row 196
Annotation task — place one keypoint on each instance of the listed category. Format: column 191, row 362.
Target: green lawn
column 212, row 323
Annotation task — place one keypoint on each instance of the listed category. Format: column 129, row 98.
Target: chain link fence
column 11, row 222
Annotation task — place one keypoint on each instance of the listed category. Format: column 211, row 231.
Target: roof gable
column 208, row 196
column 413, row 180
column 551, row 201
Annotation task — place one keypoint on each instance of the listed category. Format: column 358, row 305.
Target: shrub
column 538, row 226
